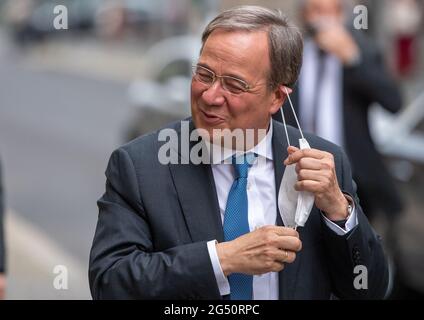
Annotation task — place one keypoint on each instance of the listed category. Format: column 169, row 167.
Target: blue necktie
column 236, row 223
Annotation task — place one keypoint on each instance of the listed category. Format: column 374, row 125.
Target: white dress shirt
column 262, row 208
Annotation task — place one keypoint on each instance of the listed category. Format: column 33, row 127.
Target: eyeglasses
column 228, row 83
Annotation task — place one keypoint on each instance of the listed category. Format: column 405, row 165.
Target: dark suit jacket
column 155, row 220
column 2, row 246
column 364, row 84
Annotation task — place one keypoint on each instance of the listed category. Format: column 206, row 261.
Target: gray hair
column 285, row 40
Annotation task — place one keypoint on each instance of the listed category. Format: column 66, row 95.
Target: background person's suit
column 363, row 84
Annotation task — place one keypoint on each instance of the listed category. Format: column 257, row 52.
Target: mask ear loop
column 295, row 117
column 285, row 126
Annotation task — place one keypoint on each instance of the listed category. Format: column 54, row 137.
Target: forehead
column 245, row 52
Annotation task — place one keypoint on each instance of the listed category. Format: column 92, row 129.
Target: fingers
column 324, row 176
column 276, row 266
column 277, row 258
column 283, row 231
column 309, row 164
column 292, row 149
column 315, row 175
column 305, row 174
column 309, row 185
column 289, row 243
column 286, row 256
column 315, row 169
column 295, row 156
column 282, row 238
column 263, row 250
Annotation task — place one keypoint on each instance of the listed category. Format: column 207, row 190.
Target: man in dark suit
column 171, row 227
column 342, row 75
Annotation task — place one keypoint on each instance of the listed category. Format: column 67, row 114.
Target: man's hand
column 338, row 41
column 2, row 286
column 316, row 173
column 264, row 250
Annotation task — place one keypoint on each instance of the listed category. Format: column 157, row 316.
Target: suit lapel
column 198, row 198
column 279, row 151
column 288, row 277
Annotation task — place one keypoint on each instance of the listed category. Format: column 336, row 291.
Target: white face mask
column 295, row 206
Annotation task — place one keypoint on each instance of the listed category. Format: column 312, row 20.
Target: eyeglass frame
column 247, row 86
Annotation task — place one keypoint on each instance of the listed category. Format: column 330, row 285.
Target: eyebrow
column 228, row 74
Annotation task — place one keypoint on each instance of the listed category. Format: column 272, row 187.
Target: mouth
column 211, row 118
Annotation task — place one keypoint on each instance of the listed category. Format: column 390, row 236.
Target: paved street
column 57, row 131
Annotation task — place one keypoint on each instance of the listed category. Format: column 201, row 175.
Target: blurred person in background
column 2, row 246
column 342, row 75
column 403, row 21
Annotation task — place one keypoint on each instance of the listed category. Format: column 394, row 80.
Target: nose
column 213, row 96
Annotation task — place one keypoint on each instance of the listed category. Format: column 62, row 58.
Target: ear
column 279, row 97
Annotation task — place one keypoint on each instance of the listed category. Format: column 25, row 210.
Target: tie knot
column 242, row 164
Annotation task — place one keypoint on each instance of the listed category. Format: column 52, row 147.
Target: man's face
column 243, row 55
column 318, row 12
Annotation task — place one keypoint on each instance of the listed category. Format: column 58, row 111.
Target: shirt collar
column 262, row 149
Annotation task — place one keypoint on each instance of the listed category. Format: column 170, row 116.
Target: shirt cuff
column 351, row 223
column 221, row 279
